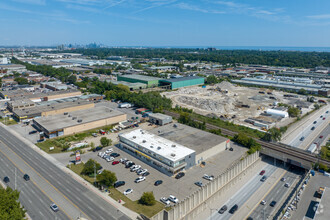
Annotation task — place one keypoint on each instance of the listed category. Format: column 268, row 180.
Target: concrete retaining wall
column 191, row 206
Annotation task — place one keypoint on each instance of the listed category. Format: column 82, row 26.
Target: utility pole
column 15, row 178
column 94, row 173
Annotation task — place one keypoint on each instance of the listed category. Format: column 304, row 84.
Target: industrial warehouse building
column 51, row 109
column 148, row 80
column 173, row 147
column 131, row 86
column 182, row 82
column 160, row 119
column 39, row 96
column 78, row 121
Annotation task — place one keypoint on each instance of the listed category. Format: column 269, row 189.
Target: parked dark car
column 97, row 149
column 6, row 179
column 312, row 128
column 114, row 155
column 129, row 165
column 146, row 174
column 158, row 182
column 119, row 183
column 223, row 209
column 26, row 177
column 179, row 175
column 233, row 209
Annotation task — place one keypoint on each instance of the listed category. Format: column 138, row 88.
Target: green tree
column 21, row 80
column 275, row 134
column 211, row 79
column 302, row 92
column 293, row 111
column 72, row 79
column 89, row 167
column 10, row 207
column 148, row 199
column 316, row 106
column 106, row 178
column 105, row 142
column 92, row 145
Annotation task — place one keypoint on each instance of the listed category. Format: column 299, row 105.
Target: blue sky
column 166, row 22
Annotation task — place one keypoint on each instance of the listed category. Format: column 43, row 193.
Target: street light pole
column 94, row 173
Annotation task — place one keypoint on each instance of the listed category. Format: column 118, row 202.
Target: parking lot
column 180, row 188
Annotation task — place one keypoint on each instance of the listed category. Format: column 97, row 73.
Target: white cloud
column 34, row 2
column 190, row 7
column 322, row 16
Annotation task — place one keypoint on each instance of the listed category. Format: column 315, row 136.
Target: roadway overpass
column 279, row 151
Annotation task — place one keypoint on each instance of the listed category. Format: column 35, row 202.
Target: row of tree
column 273, row 58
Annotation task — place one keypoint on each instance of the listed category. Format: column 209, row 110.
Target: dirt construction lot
column 226, row 100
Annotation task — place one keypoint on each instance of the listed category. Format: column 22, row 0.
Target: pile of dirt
column 225, row 85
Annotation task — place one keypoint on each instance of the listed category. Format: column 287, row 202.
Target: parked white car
column 140, row 179
column 207, row 177
column 142, row 171
column 109, row 159
column 165, row 200
column 110, row 150
column 173, row 199
column 100, row 154
column 128, row 191
column 135, row 168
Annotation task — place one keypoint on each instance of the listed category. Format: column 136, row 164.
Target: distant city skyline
column 166, row 23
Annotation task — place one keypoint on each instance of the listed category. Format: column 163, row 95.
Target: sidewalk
column 103, row 195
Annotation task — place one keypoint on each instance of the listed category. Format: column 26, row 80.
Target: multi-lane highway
column 278, row 194
column 308, row 129
column 62, row 189
column 244, row 193
column 32, row 197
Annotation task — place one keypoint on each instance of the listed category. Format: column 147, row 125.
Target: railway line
column 282, row 148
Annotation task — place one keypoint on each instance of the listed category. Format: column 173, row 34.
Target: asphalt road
column 325, row 132
column 278, row 194
column 89, row 204
column 32, row 198
column 306, row 129
column 244, row 193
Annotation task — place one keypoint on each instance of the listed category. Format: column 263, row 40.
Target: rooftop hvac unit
column 175, row 125
column 79, row 120
column 73, row 118
column 158, row 148
column 151, row 146
column 173, row 145
column 65, row 113
column 144, row 141
column 172, row 155
column 134, row 137
column 69, row 115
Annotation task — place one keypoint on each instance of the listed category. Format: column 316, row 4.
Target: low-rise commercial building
column 39, row 96
column 51, row 109
column 160, row 119
column 78, row 121
column 176, row 83
column 131, row 86
column 190, row 146
column 150, row 81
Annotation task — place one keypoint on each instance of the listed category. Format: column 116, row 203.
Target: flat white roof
column 158, row 145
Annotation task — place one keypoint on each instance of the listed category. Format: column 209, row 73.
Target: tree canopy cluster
column 89, row 167
column 10, row 207
column 274, row 58
column 247, row 142
column 106, row 178
column 59, row 73
column 105, row 141
column 186, row 119
column 148, row 199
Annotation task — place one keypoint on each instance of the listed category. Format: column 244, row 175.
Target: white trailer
column 125, row 105
column 312, row 148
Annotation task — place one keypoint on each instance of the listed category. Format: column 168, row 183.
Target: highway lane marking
column 47, row 181
column 31, row 180
column 267, row 193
